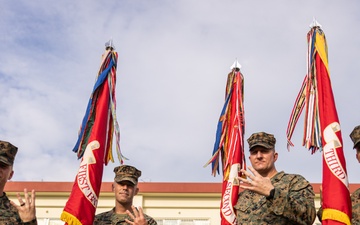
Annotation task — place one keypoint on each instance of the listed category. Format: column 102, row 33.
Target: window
column 183, row 221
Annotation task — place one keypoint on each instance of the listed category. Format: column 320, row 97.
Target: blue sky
column 174, row 57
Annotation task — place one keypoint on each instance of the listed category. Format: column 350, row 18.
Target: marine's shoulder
column 151, row 221
column 4, row 198
column 294, row 181
column 356, row 192
column 290, row 176
column 105, row 214
column 5, row 204
column 8, row 213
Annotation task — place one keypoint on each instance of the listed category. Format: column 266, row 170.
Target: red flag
column 94, row 145
column 230, row 144
column 322, row 130
column 336, row 197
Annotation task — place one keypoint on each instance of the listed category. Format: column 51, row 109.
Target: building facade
column 168, row 203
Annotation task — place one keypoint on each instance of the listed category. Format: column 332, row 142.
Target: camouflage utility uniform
column 355, row 202
column 9, row 214
column 110, row 217
column 292, row 203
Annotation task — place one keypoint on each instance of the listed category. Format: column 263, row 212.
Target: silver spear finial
column 235, row 65
column 315, row 24
column 110, row 45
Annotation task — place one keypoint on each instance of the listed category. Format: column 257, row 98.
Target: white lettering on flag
column 330, row 154
column 227, row 208
column 83, row 173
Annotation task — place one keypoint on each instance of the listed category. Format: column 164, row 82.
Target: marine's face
column 263, row 159
column 6, row 173
column 125, row 192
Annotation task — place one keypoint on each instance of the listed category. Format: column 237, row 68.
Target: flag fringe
column 337, row 215
column 69, row 219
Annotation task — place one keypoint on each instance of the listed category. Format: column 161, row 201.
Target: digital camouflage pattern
column 293, row 203
column 9, row 214
column 355, row 201
column 110, row 217
column 261, row 139
column 126, row 173
column 355, row 136
column 7, row 153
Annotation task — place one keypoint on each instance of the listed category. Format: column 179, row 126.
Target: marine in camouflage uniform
column 272, row 197
column 355, row 201
column 110, row 217
column 292, row 203
column 125, row 188
column 355, row 196
column 9, row 214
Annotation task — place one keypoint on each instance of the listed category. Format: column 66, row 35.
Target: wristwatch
column 271, row 195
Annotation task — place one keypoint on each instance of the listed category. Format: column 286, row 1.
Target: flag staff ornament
column 322, row 129
column 94, row 144
column 229, row 144
column 109, row 45
column 235, row 65
column 315, row 23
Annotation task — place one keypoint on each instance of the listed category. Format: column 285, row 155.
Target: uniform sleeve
column 150, row 220
column 296, row 202
column 355, row 201
column 319, row 214
column 32, row 222
column 98, row 219
column 95, row 221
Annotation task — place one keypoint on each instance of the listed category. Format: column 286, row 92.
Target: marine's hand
column 26, row 208
column 256, row 182
column 137, row 216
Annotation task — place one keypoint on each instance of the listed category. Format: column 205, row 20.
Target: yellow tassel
column 69, row 219
column 337, row 215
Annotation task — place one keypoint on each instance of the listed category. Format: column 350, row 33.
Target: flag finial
column 236, row 65
column 315, row 23
column 110, row 45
